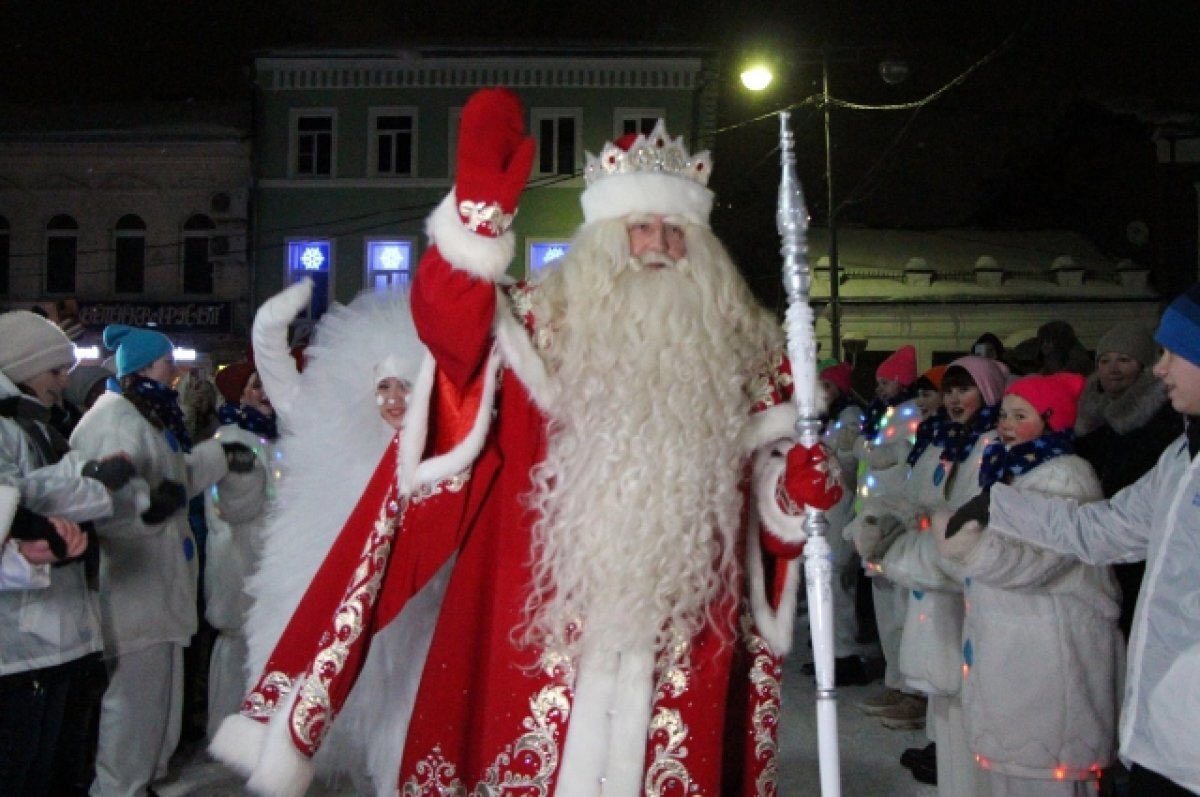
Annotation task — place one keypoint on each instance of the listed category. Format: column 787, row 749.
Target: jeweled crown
column 655, row 153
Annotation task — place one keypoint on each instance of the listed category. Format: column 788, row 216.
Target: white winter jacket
column 931, row 644
column 57, row 620
column 147, row 572
column 235, row 525
column 1041, row 647
column 1157, row 519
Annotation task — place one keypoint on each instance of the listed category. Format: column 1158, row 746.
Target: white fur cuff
column 238, row 743
column 282, row 770
column 485, row 257
column 769, row 466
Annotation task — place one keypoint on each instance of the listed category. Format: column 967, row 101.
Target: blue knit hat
column 136, row 348
column 1179, row 330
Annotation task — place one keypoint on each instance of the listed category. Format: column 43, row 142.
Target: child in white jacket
column 1041, row 647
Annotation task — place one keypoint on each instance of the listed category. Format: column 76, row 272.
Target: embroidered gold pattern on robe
column 765, row 672
column 261, row 703
column 310, row 716
column 667, row 771
column 525, row 767
column 768, row 387
column 435, row 776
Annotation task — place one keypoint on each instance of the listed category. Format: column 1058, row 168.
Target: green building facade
column 353, row 150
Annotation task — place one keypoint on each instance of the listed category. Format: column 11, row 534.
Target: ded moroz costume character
column 606, row 456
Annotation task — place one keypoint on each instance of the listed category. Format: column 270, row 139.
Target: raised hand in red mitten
column 494, row 159
column 812, row 478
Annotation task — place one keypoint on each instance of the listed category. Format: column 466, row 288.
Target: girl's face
column 391, row 394
column 1019, row 421
column 254, row 396
column 962, row 403
column 928, row 402
column 48, row 386
column 161, row 370
column 886, row 388
column 1117, row 371
column 830, row 392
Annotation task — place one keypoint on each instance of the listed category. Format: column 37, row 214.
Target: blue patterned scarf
column 927, row 431
column 164, row 403
column 1002, row 464
column 958, row 439
column 250, row 419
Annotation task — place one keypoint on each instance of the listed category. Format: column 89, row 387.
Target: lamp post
column 758, row 78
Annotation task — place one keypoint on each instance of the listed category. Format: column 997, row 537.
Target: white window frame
column 294, row 116
column 536, row 117
column 620, row 115
column 373, row 116
column 368, row 274
column 307, row 313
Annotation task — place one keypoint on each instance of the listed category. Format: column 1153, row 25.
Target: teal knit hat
column 1179, row 330
column 136, row 348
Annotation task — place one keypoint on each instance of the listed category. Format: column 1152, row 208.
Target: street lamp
column 757, row 78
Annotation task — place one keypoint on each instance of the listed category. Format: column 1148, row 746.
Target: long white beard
column 639, row 495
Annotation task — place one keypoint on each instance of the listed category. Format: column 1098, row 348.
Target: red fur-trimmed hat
column 901, row 366
column 1054, row 396
column 838, row 375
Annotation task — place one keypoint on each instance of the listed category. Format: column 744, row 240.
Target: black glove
column 977, row 509
column 30, row 526
column 239, row 458
column 165, row 500
column 114, row 472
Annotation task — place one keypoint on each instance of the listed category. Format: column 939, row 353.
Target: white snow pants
column 140, row 719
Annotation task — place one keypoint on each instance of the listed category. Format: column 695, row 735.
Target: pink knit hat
column 990, row 376
column 1055, row 396
column 900, row 366
column 838, row 375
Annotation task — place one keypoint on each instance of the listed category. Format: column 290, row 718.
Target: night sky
column 1052, row 132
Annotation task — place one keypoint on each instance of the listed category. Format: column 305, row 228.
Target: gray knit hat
column 1131, row 339
column 82, row 381
column 30, row 345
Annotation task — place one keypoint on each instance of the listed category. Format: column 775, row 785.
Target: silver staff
column 792, row 220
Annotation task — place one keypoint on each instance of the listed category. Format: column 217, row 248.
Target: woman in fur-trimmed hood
column 1125, row 421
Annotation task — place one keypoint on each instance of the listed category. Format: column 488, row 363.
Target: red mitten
column 812, row 478
column 494, row 159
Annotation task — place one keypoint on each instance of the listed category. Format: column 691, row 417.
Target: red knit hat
column 838, row 375
column 900, row 366
column 1054, row 396
column 231, row 380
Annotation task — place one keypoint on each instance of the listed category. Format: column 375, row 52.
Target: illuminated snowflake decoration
column 312, row 258
column 554, row 253
column 392, row 257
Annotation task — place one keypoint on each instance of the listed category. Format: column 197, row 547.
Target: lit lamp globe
column 757, row 78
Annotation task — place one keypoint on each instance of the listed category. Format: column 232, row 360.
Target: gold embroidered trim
column 451, row 484
column 312, row 711
column 667, row 771
column 261, row 703
column 526, row 767
column 765, row 692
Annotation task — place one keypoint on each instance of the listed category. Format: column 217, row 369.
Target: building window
column 197, row 257
column 312, row 259
column 62, row 242
column 635, row 120
column 5, row 256
column 393, row 142
column 543, row 252
column 313, row 138
column 558, row 136
column 129, row 254
column 389, row 264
